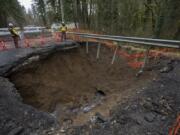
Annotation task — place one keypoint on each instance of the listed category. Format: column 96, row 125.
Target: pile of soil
column 73, row 85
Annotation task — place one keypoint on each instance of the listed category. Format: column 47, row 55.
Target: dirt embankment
column 74, row 85
column 153, row 111
column 17, row 118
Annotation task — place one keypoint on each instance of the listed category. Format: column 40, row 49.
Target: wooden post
column 87, row 47
column 146, row 58
column 98, row 50
column 114, row 56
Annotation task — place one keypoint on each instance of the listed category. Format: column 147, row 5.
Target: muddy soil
column 73, row 85
column 152, row 111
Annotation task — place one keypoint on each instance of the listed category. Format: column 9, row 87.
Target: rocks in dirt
column 66, row 125
column 163, row 65
column 100, row 93
column 147, row 105
column 166, row 69
column 163, row 118
column 87, row 108
column 16, row 131
column 150, row 117
column 139, row 73
column 51, row 131
column 160, row 106
column 99, row 96
column 98, row 118
column 152, row 112
column 17, row 118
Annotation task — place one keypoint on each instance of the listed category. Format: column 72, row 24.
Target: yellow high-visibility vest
column 13, row 32
column 63, row 29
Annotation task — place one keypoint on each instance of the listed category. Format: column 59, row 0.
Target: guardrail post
column 114, row 56
column 22, row 39
column 145, row 61
column 98, row 50
column 87, row 47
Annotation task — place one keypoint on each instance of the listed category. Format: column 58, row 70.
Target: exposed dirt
column 73, row 85
column 152, row 111
column 17, row 118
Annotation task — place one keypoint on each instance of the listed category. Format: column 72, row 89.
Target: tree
column 11, row 9
column 151, row 18
column 41, row 8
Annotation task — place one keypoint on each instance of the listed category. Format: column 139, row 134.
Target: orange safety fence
column 2, row 46
column 76, row 37
column 57, row 36
column 135, row 58
column 27, row 42
column 40, row 40
column 175, row 130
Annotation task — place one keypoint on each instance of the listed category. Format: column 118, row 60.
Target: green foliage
column 10, row 10
column 41, row 9
column 148, row 18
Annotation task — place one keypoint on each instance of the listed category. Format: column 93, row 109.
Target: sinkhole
column 73, row 84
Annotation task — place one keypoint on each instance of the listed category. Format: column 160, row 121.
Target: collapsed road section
column 15, row 116
column 152, row 111
column 71, row 92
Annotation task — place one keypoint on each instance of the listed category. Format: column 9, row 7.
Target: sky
column 26, row 3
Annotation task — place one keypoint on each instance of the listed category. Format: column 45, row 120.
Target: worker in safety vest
column 14, row 34
column 63, row 30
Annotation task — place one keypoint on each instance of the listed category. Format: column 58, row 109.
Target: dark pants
column 16, row 38
column 63, row 36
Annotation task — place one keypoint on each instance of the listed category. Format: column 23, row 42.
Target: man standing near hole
column 63, row 30
column 14, row 34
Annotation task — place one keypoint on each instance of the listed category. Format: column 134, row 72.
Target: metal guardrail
column 135, row 40
column 4, row 34
column 148, row 42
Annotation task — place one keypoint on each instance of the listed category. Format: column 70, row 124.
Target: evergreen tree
column 11, row 9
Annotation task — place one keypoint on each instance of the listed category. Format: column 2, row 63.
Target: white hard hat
column 10, row 24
